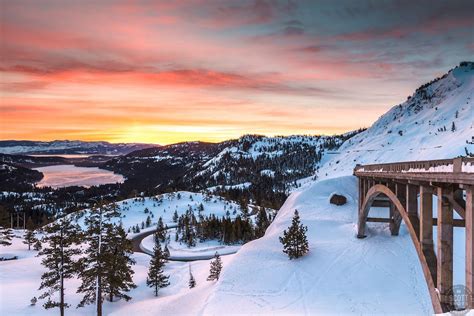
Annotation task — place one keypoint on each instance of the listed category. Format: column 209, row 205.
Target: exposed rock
column 338, row 199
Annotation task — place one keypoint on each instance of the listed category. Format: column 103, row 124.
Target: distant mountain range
column 69, row 147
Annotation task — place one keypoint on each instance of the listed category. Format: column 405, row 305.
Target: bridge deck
column 452, row 171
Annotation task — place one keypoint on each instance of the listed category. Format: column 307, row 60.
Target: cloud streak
column 178, row 70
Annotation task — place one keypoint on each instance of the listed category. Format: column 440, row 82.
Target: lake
column 69, row 175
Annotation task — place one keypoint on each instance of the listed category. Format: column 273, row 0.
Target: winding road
column 137, row 240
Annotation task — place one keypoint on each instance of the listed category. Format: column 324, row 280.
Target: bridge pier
column 470, row 244
column 445, row 250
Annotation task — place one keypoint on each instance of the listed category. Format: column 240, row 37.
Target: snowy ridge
column 58, row 147
column 419, row 129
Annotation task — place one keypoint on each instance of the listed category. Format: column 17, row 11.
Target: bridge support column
column 426, row 218
column 412, row 207
column 445, row 250
column 361, row 193
column 470, row 244
column 412, row 204
column 396, row 217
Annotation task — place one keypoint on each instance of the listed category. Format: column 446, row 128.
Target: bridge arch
column 371, row 195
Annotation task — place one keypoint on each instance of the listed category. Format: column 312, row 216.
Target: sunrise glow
column 170, row 71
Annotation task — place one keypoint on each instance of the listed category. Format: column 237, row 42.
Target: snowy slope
column 414, row 130
column 340, row 274
column 20, row 279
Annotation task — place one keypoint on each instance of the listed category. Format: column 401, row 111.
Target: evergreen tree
column 453, row 127
column 166, row 252
column 29, row 238
column 192, row 281
column 61, row 239
column 6, row 236
column 37, row 246
column 215, row 268
column 93, row 267
column 262, row 222
column 295, row 243
column 175, row 216
column 160, row 230
column 118, row 267
column 29, row 224
column 156, row 278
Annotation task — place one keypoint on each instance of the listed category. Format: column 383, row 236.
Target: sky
column 170, row 71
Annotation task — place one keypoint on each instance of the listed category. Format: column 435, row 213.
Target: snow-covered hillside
column 340, row 275
column 419, row 129
column 134, row 212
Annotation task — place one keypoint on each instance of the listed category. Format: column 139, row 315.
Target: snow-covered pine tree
column 166, row 252
column 262, row 222
column 29, row 238
column 118, row 267
column 37, row 246
column 192, row 281
column 61, row 245
column 295, row 243
column 6, row 236
column 93, row 269
column 156, row 278
column 215, row 268
column 160, row 230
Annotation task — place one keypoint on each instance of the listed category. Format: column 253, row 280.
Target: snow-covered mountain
column 63, row 147
column 436, row 122
column 342, row 274
column 257, row 168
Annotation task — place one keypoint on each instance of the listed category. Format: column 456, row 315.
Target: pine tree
column 61, row 239
column 262, row 222
column 37, row 246
column 29, row 224
column 29, row 238
column 6, row 236
column 175, row 216
column 295, row 243
column 453, row 127
column 156, row 278
column 118, row 267
column 160, row 230
column 215, row 268
column 166, row 252
column 192, row 281
column 93, row 265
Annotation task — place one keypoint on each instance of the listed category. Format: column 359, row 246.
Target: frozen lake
column 69, row 175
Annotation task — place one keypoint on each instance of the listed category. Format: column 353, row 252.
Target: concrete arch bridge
column 407, row 189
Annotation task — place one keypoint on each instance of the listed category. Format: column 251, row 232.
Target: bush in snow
column 295, row 243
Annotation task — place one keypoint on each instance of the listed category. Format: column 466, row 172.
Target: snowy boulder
column 338, row 199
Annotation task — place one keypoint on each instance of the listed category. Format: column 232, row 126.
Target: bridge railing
column 456, row 165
